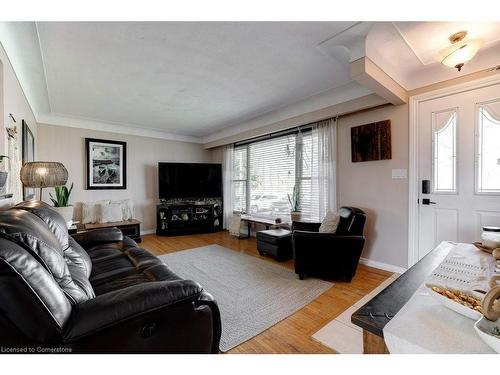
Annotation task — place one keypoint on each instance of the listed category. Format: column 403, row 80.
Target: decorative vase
column 296, row 215
column 3, row 178
column 66, row 213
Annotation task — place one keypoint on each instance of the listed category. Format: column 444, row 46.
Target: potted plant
column 61, row 203
column 3, row 174
column 294, row 200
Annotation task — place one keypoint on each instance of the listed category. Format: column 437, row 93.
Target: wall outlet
column 399, row 174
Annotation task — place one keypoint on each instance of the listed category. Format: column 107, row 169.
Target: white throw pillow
column 111, row 212
column 330, row 223
column 127, row 208
column 91, row 211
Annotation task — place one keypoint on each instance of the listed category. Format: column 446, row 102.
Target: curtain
column 228, row 188
column 324, row 167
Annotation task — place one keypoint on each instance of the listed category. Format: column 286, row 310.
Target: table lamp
column 42, row 174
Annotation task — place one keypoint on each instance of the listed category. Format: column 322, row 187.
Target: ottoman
column 275, row 242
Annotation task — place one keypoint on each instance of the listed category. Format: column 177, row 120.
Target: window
column 444, row 125
column 240, row 179
column 265, row 173
column 488, row 148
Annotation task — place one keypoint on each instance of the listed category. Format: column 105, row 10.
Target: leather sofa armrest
column 109, row 309
column 98, row 236
column 305, row 226
column 206, row 299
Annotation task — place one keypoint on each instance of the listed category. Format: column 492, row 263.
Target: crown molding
column 113, row 127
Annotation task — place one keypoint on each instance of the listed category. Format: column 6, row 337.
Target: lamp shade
column 41, row 174
column 456, row 55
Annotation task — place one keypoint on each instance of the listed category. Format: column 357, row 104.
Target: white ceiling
column 185, row 78
column 437, row 34
column 205, row 79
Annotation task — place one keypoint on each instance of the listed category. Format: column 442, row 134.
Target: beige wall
column 369, row 186
column 67, row 145
column 12, row 100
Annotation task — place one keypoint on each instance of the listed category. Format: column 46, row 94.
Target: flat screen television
column 189, row 180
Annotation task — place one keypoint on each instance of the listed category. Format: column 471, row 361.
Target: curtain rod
column 304, row 127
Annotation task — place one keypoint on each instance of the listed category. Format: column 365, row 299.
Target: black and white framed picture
column 106, row 164
column 28, row 154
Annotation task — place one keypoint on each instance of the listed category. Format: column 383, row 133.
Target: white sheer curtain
column 324, row 165
column 228, row 188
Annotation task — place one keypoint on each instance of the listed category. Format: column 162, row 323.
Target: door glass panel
column 488, row 148
column 444, row 140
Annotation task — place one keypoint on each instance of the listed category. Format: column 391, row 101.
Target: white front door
column 459, row 156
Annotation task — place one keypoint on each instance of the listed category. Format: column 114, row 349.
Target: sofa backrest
column 352, row 221
column 77, row 259
column 36, row 235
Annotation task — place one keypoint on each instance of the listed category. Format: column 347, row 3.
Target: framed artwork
column 28, row 154
column 106, row 164
column 371, row 142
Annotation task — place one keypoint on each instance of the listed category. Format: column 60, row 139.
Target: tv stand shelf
column 188, row 217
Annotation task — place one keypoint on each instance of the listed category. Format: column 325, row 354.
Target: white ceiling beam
column 368, row 74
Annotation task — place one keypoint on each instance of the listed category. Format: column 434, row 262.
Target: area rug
column 253, row 294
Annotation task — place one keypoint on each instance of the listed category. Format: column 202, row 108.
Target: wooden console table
column 377, row 312
column 268, row 223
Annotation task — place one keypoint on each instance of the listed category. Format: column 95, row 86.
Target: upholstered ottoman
column 275, row 242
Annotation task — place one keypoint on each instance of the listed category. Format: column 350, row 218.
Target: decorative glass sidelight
column 444, row 151
column 488, row 148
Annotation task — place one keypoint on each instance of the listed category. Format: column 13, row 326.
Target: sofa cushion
column 55, row 222
column 32, row 233
column 79, row 263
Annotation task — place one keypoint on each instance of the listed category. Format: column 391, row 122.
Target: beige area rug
column 340, row 334
column 253, row 294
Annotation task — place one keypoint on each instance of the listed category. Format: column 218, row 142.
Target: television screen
column 189, row 180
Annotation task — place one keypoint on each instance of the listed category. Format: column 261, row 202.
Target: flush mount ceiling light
column 460, row 51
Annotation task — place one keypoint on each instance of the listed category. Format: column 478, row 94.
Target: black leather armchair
column 96, row 292
column 330, row 255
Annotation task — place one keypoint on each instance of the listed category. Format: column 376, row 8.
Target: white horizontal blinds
column 271, row 175
column 309, row 189
column 488, row 148
column 240, row 178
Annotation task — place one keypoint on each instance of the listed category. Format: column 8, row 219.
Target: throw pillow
column 330, row 223
column 91, row 211
column 127, row 208
column 111, row 212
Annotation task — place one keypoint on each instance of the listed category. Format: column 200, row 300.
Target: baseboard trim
column 382, row 266
column 148, row 231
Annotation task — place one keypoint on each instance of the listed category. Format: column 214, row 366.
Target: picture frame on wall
column 28, row 155
column 371, row 142
column 106, row 163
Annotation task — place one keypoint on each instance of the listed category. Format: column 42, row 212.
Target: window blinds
column 265, row 173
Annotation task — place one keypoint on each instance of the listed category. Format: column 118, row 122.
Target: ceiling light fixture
column 460, row 51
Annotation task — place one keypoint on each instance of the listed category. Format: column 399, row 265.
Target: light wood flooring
column 293, row 334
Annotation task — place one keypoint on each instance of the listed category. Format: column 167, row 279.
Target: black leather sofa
column 330, row 255
column 95, row 292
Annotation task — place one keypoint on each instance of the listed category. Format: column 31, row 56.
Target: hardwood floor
column 293, row 334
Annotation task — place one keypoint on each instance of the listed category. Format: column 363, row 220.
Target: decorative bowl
column 455, row 306
column 485, row 329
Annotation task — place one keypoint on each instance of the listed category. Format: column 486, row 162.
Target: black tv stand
column 188, row 216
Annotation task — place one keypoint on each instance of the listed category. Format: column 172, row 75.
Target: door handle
column 427, row 201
